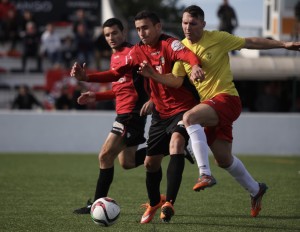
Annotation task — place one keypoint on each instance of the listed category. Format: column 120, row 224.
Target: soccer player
column 167, row 134
column 210, row 122
column 131, row 107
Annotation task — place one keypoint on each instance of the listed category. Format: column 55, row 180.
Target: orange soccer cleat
column 256, row 200
column 167, row 212
column 204, row 181
column 151, row 210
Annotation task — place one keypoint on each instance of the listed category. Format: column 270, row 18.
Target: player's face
column 148, row 32
column 114, row 36
column 192, row 27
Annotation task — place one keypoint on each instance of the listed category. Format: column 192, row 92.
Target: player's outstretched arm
column 100, row 77
column 87, row 97
column 167, row 79
column 262, row 43
column 91, row 97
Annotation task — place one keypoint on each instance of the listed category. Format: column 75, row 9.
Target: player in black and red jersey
column 128, row 129
column 167, row 134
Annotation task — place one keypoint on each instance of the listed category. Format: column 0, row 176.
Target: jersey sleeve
column 231, row 42
column 107, row 95
column 178, row 69
column 180, row 52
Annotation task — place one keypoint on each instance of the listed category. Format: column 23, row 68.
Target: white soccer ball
column 105, row 211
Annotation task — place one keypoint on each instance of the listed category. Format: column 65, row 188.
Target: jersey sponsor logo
column 155, row 53
column 127, row 58
column 122, row 80
column 159, row 69
column 208, row 55
column 177, row 45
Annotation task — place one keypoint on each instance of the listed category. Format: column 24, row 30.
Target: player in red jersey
column 210, row 122
column 128, row 129
column 167, row 134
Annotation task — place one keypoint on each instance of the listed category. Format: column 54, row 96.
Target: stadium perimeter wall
column 84, row 132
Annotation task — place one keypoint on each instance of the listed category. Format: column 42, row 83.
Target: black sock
column 104, row 180
column 153, row 180
column 174, row 176
column 140, row 156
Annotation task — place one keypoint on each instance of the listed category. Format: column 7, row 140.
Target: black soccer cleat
column 188, row 154
column 84, row 210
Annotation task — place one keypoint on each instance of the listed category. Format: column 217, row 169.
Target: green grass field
column 39, row 192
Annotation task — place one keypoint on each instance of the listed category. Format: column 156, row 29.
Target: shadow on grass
column 196, row 220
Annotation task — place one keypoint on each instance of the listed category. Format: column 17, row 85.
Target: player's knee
column 188, row 118
column 127, row 165
column 151, row 165
column 223, row 163
column 105, row 158
column 177, row 145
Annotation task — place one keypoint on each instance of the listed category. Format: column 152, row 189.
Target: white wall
column 84, row 132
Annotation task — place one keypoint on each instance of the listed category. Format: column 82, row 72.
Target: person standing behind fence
column 51, row 46
column 228, row 18
column 25, row 100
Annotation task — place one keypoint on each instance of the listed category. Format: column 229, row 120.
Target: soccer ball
column 105, row 211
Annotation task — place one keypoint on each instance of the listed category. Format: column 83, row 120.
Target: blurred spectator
column 31, row 46
column 102, row 50
column 5, row 7
column 27, row 16
column 10, row 29
column 64, row 101
column 51, row 46
column 25, row 100
column 68, row 51
column 227, row 17
column 83, row 44
column 81, row 18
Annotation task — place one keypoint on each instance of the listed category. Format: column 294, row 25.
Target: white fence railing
column 85, row 132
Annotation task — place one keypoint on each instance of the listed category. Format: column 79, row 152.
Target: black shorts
column 160, row 133
column 131, row 127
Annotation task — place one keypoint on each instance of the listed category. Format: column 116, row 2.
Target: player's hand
column 79, row 72
column 197, row 74
column 146, row 70
column 147, row 108
column 87, row 97
column 295, row 46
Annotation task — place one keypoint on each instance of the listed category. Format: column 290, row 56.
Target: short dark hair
column 195, row 11
column 147, row 15
column 113, row 21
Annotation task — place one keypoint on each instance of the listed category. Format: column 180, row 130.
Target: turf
column 39, row 192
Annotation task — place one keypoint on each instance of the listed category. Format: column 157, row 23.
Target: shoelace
column 145, row 206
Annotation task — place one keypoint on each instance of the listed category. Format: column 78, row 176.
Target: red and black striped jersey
column 168, row 101
column 130, row 88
